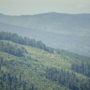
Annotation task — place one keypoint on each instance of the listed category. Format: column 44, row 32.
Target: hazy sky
column 17, row 7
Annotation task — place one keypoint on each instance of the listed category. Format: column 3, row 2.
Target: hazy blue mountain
column 64, row 31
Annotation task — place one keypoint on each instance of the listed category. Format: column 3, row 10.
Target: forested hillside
column 26, row 64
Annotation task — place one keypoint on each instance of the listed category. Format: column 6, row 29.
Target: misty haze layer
column 64, row 31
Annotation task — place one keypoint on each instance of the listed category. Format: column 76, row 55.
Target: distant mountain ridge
column 59, row 30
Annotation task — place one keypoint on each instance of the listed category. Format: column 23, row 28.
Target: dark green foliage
column 83, row 68
column 67, row 79
column 1, row 62
column 10, row 82
column 12, row 49
column 24, row 41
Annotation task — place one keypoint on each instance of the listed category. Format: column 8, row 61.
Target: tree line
column 24, row 41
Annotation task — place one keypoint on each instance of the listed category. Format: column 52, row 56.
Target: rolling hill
column 26, row 64
column 58, row 30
